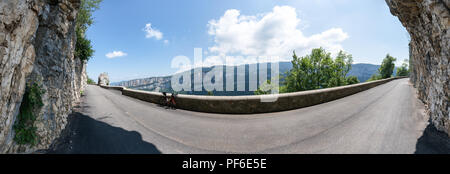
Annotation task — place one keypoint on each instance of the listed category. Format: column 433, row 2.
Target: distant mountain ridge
column 362, row 71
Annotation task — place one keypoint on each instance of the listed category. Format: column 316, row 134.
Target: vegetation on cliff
column 24, row 125
column 83, row 48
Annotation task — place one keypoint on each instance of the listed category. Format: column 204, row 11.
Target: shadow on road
column 433, row 142
column 84, row 135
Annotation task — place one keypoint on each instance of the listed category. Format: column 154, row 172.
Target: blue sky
column 139, row 38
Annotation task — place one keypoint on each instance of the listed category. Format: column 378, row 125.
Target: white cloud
column 115, row 54
column 276, row 33
column 152, row 32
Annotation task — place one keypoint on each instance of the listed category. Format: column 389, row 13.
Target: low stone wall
column 253, row 104
column 120, row 88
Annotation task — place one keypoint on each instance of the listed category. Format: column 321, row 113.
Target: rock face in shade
column 103, row 79
column 37, row 39
column 428, row 22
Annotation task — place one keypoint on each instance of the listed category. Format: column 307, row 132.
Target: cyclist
column 172, row 102
column 165, row 100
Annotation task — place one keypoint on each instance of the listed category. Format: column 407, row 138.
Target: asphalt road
column 385, row 119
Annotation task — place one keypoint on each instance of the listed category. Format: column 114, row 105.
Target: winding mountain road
column 385, row 119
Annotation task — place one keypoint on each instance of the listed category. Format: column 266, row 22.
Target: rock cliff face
column 149, row 84
column 428, row 22
column 37, row 39
column 103, row 79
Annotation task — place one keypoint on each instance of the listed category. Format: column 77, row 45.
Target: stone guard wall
column 253, row 104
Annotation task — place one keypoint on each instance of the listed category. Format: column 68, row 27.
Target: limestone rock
column 37, row 39
column 428, row 22
column 18, row 24
column 103, row 79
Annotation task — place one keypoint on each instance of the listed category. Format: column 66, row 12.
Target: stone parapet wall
column 253, row 104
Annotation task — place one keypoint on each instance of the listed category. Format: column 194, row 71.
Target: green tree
column 308, row 72
column 374, row 77
column 83, row 47
column 266, row 88
column 84, row 17
column 318, row 70
column 387, row 67
column 352, row 80
column 404, row 69
column 90, row 81
column 386, row 70
column 341, row 66
column 284, row 89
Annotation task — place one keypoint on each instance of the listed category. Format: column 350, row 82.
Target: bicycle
column 167, row 101
column 172, row 103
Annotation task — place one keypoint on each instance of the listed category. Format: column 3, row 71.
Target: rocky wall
column 428, row 22
column 37, row 39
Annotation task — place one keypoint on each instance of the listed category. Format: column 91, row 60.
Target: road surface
column 385, row 119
